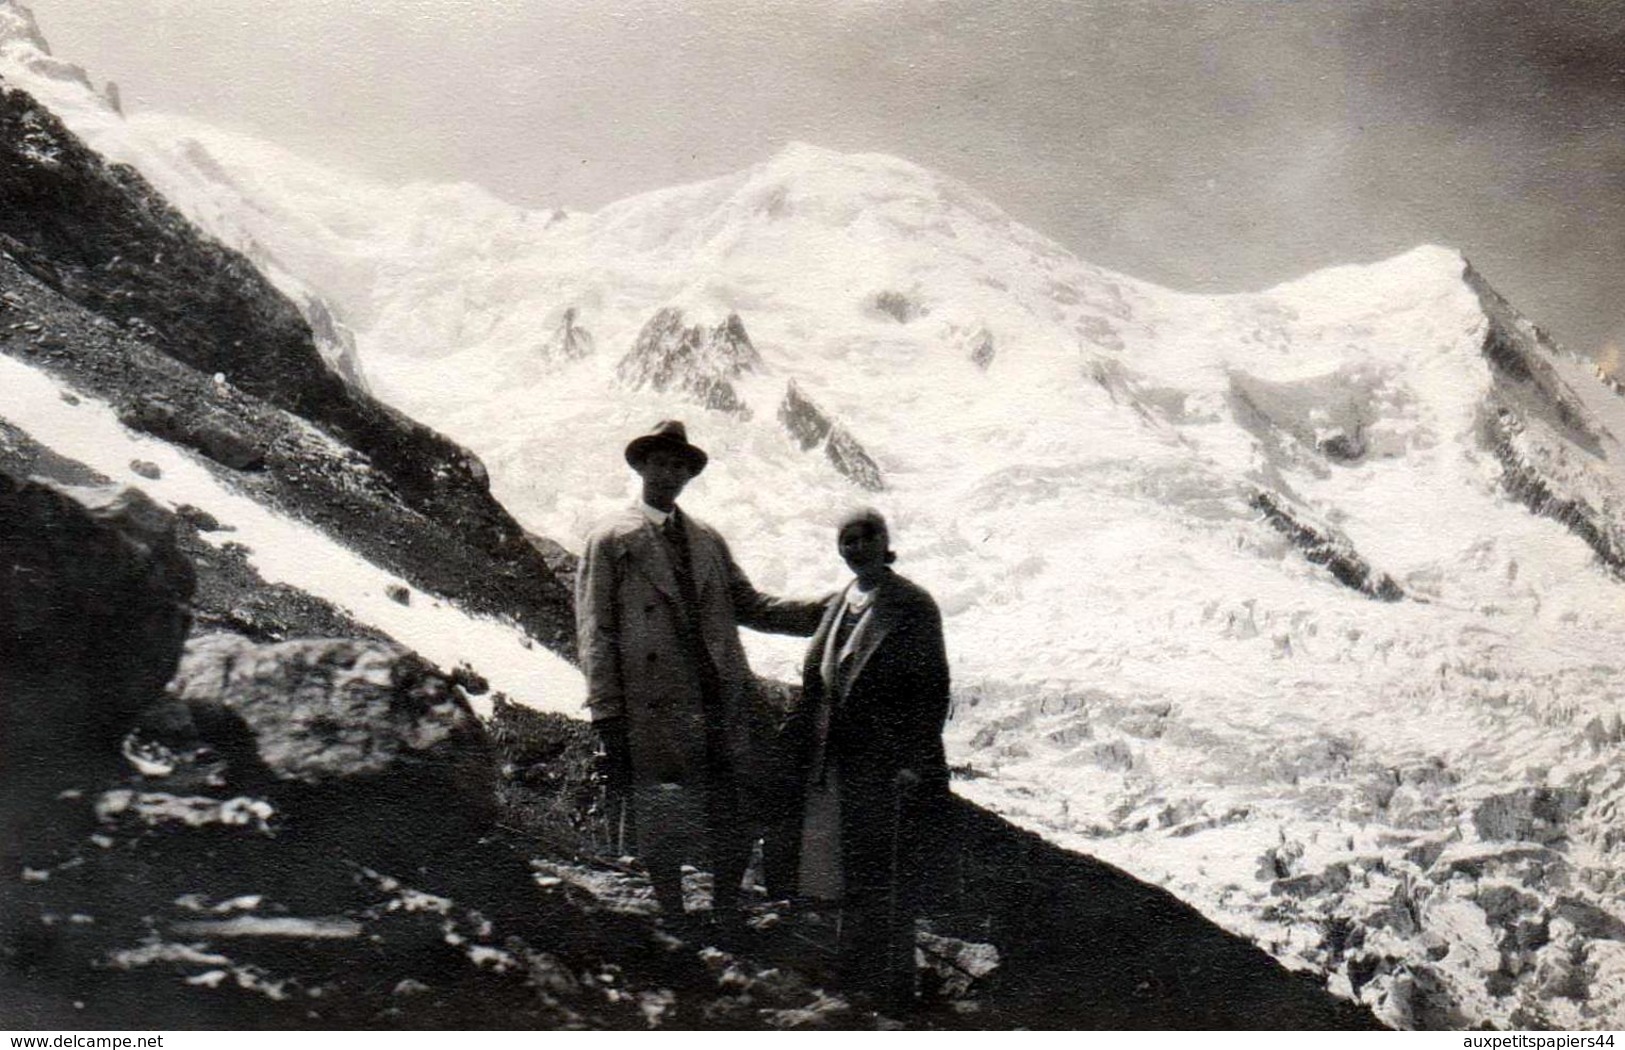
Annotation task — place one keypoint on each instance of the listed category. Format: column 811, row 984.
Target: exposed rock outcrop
column 111, row 291
column 570, row 341
column 701, row 362
column 809, row 427
column 361, row 740
column 21, row 42
column 981, row 348
column 334, row 340
column 1323, row 548
column 95, row 606
column 214, row 431
column 103, row 238
column 898, row 306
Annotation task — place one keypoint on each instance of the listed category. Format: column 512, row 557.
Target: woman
column 875, row 699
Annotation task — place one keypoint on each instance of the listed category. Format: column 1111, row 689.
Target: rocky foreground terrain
column 229, row 803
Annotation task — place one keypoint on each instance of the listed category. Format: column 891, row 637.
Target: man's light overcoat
column 627, row 608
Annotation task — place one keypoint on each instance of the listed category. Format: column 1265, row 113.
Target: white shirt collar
column 654, row 514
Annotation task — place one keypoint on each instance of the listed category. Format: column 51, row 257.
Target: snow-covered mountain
column 1303, row 603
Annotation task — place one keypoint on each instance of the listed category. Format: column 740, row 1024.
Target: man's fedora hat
column 668, row 433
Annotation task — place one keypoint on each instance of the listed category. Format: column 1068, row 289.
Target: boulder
column 211, row 431
column 362, row 745
column 1528, row 814
column 93, row 610
column 93, row 614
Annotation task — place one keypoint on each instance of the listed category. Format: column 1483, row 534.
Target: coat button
column 653, row 656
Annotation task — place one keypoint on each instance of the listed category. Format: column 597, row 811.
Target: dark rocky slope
column 307, row 836
column 111, row 290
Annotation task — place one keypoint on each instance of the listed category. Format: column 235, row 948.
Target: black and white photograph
column 828, row 515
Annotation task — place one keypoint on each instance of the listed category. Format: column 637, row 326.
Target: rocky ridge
column 810, row 428
column 570, row 341
column 1549, row 442
column 701, row 363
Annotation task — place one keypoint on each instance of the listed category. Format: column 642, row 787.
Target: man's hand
column 614, row 759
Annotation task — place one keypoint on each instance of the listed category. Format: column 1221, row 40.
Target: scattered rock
column 399, row 593
column 147, row 469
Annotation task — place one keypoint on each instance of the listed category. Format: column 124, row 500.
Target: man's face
column 665, row 472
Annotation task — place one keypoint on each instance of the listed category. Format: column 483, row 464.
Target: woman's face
column 863, row 547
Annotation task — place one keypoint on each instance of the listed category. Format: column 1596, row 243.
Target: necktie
column 683, row 561
column 676, row 536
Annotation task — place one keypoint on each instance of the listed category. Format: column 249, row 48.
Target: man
column 658, row 604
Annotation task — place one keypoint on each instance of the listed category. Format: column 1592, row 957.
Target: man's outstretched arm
column 763, row 612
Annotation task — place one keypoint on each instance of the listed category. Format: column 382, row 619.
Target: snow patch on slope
column 286, row 551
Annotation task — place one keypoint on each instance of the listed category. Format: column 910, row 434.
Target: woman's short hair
column 872, row 518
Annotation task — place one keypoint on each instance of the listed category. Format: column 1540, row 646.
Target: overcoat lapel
column 707, row 555
column 823, row 644
column 817, row 694
column 652, row 558
column 870, row 632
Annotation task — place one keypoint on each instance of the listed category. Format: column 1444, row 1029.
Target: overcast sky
column 1215, row 145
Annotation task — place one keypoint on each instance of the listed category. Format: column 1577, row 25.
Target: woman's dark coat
column 890, row 696
column 871, row 717
column 875, row 718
